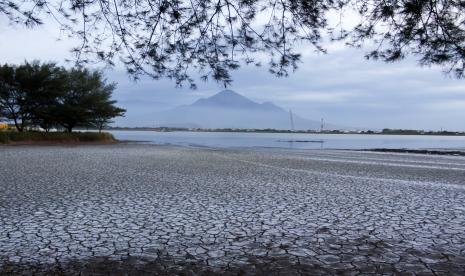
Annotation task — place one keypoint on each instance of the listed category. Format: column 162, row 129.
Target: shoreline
column 448, row 152
column 63, row 143
column 55, row 138
column 443, row 152
column 264, row 131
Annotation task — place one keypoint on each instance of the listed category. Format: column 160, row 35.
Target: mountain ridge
column 228, row 109
column 231, row 99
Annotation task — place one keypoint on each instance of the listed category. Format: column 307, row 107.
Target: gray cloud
column 341, row 86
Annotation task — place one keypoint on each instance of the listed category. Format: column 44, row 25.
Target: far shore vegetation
column 45, row 102
column 386, row 131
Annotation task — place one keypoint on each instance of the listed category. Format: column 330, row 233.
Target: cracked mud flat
column 143, row 209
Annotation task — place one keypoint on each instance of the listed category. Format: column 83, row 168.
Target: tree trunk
column 23, row 123
column 13, row 115
column 18, row 127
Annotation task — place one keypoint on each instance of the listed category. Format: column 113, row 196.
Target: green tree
column 105, row 112
column 86, row 101
column 45, row 95
column 7, row 106
column 28, row 91
column 13, row 102
column 43, row 85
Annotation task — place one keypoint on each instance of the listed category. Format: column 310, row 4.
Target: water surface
column 283, row 140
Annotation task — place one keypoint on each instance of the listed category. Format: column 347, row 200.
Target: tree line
column 45, row 95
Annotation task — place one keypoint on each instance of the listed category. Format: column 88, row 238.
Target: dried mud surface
column 145, row 209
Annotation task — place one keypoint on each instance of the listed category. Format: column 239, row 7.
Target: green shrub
column 7, row 137
column 4, row 138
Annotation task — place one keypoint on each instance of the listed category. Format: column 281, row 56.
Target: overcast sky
column 340, row 86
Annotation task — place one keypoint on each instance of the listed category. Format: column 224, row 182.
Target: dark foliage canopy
column 175, row 38
column 46, row 96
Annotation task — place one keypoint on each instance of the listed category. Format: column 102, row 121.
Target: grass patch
column 13, row 137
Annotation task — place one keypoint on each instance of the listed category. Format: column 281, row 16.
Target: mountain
column 229, row 99
column 228, row 109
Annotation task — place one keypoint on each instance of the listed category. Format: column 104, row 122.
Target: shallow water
column 282, row 140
